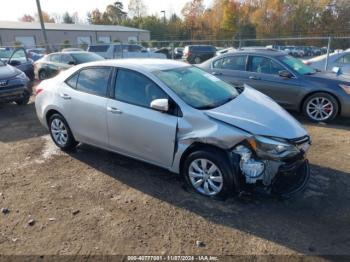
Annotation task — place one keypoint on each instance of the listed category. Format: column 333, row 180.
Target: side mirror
column 15, row 62
column 71, row 63
column 285, row 74
column 160, row 105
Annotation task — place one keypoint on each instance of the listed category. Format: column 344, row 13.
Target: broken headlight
column 268, row 148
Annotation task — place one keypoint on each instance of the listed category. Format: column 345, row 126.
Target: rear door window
column 234, row 62
column 94, row 80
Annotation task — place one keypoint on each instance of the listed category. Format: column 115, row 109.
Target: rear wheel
column 61, row 133
column 208, row 174
column 321, row 107
column 197, row 60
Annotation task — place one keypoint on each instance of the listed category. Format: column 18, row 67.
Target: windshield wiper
column 220, row 103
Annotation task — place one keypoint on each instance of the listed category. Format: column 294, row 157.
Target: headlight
column 268, row 148
column 346, row 88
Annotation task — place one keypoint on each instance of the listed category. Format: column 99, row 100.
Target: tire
column 320, row 107
column 61, row 133
column 24, row 100
column 42, row 74
column 224, row 173
column 197, row 60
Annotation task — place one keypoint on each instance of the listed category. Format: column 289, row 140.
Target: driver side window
column 134, row 88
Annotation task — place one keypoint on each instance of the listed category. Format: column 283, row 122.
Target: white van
column 117, row 50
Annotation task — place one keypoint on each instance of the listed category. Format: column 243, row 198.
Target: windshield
column 197, row 88
column 298, row 66
column 86, row 57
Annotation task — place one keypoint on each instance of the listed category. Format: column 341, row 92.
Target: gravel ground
column 96, row 202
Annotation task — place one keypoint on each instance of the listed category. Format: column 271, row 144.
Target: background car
column 36, row 53
column 15, row 86
column 117, row 50
column 178, row 52
column 70, row 49
column 18, row 58
column 321, row 96
column 341, row 60
column 195, row 54
column 52, row 64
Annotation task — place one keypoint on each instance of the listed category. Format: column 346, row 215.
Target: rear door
column 264, row 76
column 231, row 69
column 83, row 100
column 136, row 129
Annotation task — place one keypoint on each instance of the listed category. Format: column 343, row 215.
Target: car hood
column 7, row 71
column 329, row 75
column 258, row 114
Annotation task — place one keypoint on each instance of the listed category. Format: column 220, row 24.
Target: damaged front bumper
column 267, row 174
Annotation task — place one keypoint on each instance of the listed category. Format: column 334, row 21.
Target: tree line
column 226, row 19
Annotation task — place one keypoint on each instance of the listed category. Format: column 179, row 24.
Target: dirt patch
column 96, row 202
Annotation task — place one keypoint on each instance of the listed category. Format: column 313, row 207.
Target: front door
column 136, row 129
column 264, row 76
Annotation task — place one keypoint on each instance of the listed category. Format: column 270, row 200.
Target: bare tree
column 137, row 8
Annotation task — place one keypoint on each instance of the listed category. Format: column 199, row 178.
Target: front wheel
column 208, row 174
column 24, row 100
column 61, row 133
column 321, row 107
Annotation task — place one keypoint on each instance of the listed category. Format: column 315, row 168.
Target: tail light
column 307, row 63
column 38, row 89
column 187, row 53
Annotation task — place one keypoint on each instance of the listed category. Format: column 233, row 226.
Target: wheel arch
column 199, row 146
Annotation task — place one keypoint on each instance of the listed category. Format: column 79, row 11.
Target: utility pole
column 40, row 14
column 163, row 11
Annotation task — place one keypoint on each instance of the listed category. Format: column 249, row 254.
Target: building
column 30, row 35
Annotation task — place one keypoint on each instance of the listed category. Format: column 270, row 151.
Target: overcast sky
column 13, row 9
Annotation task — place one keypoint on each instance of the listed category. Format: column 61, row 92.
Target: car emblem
column 3, row 82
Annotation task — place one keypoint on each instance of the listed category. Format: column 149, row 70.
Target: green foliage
column 17, row 44
column 65, row 44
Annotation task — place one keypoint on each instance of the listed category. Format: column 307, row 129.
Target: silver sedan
column 221, row 138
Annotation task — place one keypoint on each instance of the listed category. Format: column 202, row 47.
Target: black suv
column 195, row 54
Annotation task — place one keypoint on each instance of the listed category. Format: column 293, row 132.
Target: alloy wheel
column 59, row 132
column 205, row 177
column 320, row 108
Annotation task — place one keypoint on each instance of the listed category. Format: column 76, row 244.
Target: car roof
column 265, row 52
column 69, row 52
column 143, row 64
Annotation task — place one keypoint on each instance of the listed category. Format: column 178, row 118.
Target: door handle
column 254, row 77
column 113, row 110
column 216, row 73
column 65, row 96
